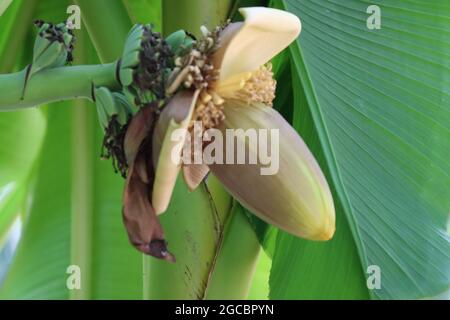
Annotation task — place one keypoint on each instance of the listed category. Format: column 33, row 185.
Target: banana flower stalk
column 226, row 82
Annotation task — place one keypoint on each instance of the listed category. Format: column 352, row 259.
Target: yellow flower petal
column 264, row 34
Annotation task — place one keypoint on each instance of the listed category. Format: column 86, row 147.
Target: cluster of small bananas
column 53, row 46
column 147, row 61
column 136, row 69
column 147, row 72
column 114, row 112
column 154, row 61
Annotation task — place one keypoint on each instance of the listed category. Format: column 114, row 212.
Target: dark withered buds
column 139, row 217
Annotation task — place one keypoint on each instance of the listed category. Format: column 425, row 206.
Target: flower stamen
column 208, row 111
column 260, row 87
column 257, row 86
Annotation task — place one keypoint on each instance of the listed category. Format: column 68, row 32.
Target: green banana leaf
column 4, row 4
column 20, row 144
column 22, row 132
column 379, row 101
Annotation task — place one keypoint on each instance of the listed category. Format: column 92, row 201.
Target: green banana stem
column 193, row 225
column 194, row 221
column 233, row 271
column 57, row 84
column 196, row 231
column 191, row 14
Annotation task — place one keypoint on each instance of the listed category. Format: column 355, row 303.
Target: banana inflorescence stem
column 55, row 84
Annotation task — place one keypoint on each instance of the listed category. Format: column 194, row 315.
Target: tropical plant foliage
column 372, row 105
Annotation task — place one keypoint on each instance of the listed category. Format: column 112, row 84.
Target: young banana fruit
column 53, row 46
column 112, row 106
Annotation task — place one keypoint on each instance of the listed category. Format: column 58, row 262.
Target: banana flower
column 226, row 82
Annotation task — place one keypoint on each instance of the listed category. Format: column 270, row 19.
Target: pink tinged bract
column 297, row 198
